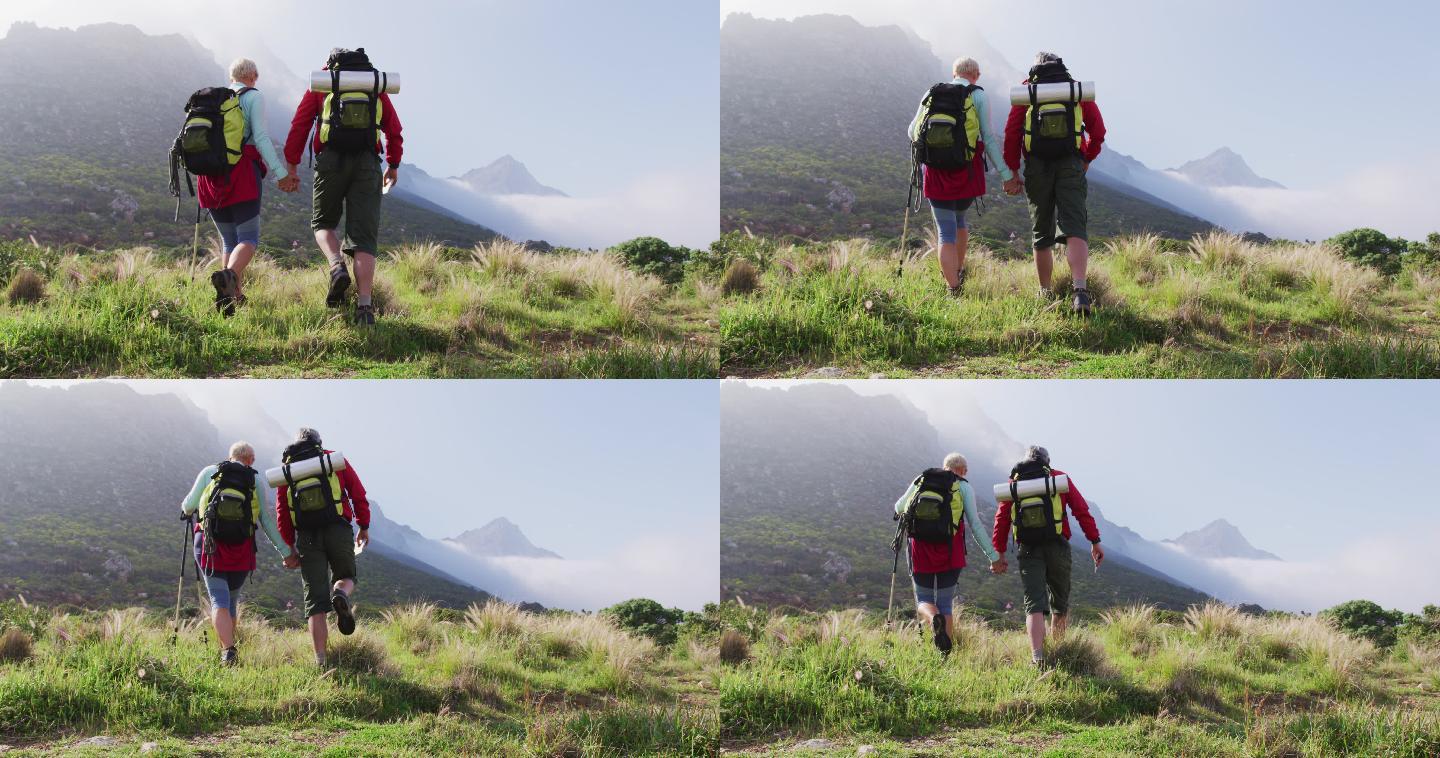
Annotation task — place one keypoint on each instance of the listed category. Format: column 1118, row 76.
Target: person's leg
column 219, row 590
column 1031, row 562
column 319, row 636
column 364, row 276
column 315, row 576
column 340, row 551
column 362, row 225
column 1040, row 194
column 1035, row 626
column 945, row 228
column 1071, row 196
column 247, row 239
column 329, row 202
column 1057, row 585
column 945, row 604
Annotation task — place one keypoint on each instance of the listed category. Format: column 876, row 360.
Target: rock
column 837, row 568
column 149, row 747
column 866, row 750
column 826, row 372
column 118, row 566
column 98, row 741
column 815, row 744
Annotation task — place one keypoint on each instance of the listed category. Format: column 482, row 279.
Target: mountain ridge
column 506, row 176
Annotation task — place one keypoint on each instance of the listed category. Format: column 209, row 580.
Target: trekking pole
column 905, row 228
column 180, row 585
column 895, row 544
column 195, row 243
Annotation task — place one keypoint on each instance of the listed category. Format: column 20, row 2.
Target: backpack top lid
column 234, row 467
column 302, row 450
column 1050, row 72
column 209, row 98
column 1029, row 469
column 342, row 59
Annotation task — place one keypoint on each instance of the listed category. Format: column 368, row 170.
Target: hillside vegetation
column 1209, row 682
column 416, row 680
column 498, row 310
column 1216, row 306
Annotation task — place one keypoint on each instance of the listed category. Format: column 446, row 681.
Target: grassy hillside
column 498, row 310
column 415, row 680
column 1217, row 306
column 1211, row 682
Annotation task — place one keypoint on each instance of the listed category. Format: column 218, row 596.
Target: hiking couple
column 348, row 180
column 938, row 509
column 952, row 137
column 309, row 524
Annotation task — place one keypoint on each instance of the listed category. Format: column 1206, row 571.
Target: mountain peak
column 500, row 538
column 506, row 175
column 1220, row 539
column 1224, row 168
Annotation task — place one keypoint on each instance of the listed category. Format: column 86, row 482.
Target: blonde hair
column 243, row 68
column 966, row 66
column 240, row 450
column 956, row 460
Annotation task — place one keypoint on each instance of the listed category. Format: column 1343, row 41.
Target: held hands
column 999, row 566
column 290, row 183
column 292, row 561
column 1014, row 186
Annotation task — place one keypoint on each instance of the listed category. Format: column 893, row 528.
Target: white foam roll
column 356, row 81
column 1055, row 92
column 1032, row 487
column 302, row 469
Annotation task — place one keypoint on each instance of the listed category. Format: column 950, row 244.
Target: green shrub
column 648, row 618
column 1366, row 620
column 656, row 257
column 1372, row 248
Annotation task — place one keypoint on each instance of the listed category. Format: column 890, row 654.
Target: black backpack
column 1052, row 130
column 1039, row 519
column 313, row 503
column 929, row 516
column 350, row 121
column 209, row 143
column 229, row 517
column 949, row 129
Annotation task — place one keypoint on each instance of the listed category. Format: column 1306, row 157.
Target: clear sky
column 1178, row 80
column 580, row 92
column 581, row 466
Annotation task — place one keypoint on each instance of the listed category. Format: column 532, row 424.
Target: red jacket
column 352, row 498
column 956, row 184
column 309, row 111
column 930, row 558
column 226, row 557
column 1015, row 133
column 242, row 184
column 1072, row 501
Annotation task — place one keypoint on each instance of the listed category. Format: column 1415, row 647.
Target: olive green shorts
column 1057, row 191
column 348, row 184
column 1045, row 574
column 327, row 555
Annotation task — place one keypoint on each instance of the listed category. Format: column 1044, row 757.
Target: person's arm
column 1014, row 136
column 300, row 127
column 973, row 524
column 914, row 130
column 1094, row 130
column 394, row 139
column 350, row 482
column 282, row 516
column 987, row 135
column 254, row 106
column 1081, row 511
column 267, row 519
column 1000, row 537
column 191, row 503
column 904, row 502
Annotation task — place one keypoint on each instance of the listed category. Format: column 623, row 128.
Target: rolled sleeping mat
column 1054, row 92
column 357, row 81
column 1032, row 487
column 306, row 468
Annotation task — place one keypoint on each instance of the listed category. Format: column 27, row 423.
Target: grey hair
column 240, row 450
column 243, row 68
column 1037, row 453
column 306, row 434
column 956, row 460
column 965, row 65
column 1043, row 57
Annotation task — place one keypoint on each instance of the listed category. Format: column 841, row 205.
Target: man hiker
column 1058, row 141
column 1042, row 537
column 234, row 202
column 951, row 188
column 930, row 515
column 315, row 515
column 348, row 181
column 230, row 500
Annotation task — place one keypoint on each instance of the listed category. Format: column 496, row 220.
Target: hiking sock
column 336, row 258
column 362, row 300
column 1080, row 283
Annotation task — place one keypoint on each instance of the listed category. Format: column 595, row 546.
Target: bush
column 741, row 278
column 656, row 257
column 15, row 646
column 1372, row 248
column 26, row 286
column 734, row 647
column 648, row 618
column 1366, row 620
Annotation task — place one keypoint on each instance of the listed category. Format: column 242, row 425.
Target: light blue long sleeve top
column 993, row 143
column 266, row 504
column 977, row 530
column 256, row 132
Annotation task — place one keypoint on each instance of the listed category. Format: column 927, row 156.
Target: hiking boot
column 224, row 282
column 229, row 657
column 344, row 616
column 942, row 639
column 959, row 287
column 1081, row 304
column 339, row 282
column 365, row 315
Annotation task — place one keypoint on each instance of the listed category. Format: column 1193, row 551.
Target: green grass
column 1217, row 307
column 1126, row 684
column 492, row 681
column 497, row 311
